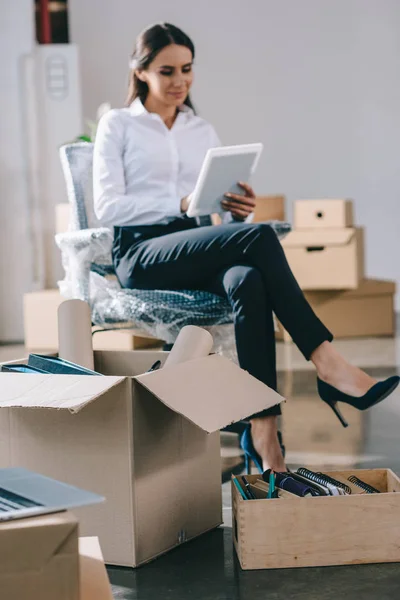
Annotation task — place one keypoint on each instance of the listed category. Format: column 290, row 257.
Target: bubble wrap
column 79, row 250
column 86, row 257
column 159, row 313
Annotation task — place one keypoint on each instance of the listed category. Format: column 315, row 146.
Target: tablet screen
column 220, row 174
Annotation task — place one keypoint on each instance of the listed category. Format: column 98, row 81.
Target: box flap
column 29, row 544
column 318, row 237
column 212, row 392
column 67, row 392
column 94, row 582
column 373, row 287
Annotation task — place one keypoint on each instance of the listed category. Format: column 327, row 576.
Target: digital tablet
column 221, row 170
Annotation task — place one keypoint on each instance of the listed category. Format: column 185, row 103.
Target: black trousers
column 244, row 263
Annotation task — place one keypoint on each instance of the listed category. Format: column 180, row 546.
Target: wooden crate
column 320, row 531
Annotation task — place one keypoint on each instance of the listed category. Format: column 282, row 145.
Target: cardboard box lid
column 318, row 237
column 373, row 287
column 94, row 582
column 212, row 392
column 29, row 544
column 318, row 200
column 68, row 392
column 367, row 287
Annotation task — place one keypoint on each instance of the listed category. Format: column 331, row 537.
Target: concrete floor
column 207, row 567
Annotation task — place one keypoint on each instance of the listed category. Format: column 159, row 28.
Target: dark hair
column 149, row 43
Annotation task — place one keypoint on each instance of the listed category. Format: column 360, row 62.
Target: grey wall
column 317, row 81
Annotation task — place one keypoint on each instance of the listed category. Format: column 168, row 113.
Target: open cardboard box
column 148, row 442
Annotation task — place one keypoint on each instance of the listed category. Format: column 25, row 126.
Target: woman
column 147, row 159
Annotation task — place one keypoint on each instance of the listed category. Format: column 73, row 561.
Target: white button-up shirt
column 142, row 169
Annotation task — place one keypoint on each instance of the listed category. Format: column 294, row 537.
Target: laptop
column 24, row 493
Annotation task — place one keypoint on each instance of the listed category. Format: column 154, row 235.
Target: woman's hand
column 240, row 206
column 185, row 204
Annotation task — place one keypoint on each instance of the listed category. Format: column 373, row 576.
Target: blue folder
column 20, row 369
column 57, row 366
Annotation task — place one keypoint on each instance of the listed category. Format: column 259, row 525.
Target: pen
column 239, row 487
column 271, row 490
column 247, row 485
column 155, row 366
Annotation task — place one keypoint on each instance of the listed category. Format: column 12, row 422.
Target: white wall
column 33, row 124
column 317, row 81
column 17, row 264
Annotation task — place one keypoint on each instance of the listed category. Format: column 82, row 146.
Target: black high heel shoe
column 250, row 453
column 377, row 393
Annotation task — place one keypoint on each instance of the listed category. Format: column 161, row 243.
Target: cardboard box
column 367, row 311
column 94, row 582
column 148, row 442
column 39, row 558
column 124, row 339
column 62, row 217
column 320, row 531
column 41, row 327
column 40, row 319
column 326, row 259
column 308, row 428
column 269, row 208
column 323, row 214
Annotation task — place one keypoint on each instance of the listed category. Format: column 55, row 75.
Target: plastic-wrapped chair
column 89, row 274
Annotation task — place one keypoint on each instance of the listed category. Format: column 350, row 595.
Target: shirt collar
column 137, row 109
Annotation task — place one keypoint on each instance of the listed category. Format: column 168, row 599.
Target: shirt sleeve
column 112, row 205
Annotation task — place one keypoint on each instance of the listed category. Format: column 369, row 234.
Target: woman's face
column 170, row 75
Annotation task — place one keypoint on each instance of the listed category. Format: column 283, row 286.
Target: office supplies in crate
column 302, row 483
column 314, row 518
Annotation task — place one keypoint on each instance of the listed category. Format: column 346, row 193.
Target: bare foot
column 264, row 433
column 335, row 370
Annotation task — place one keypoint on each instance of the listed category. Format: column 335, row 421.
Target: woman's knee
column 265, row 231
column 243, row 279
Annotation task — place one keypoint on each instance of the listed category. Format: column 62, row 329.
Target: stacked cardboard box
column 269, row 208
column 326, row 254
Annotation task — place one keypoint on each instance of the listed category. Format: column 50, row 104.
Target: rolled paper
column 75, row 333
column 192, row 342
